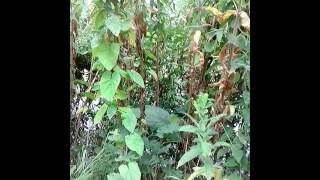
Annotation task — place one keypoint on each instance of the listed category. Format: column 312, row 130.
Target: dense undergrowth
column 160, row 89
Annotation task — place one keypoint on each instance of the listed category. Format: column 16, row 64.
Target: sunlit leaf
column 129, row 119
column 189, row 155
column 107, row 54
column 109, row 85
column 130, row 172
column 135, row 143
column 136, row 77
column 99, row 115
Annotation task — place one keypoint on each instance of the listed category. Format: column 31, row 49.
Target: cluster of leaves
column 167, row 91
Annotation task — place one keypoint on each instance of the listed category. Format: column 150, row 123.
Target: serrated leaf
column 129, row 119
column 237, row 153
column 99, row 115
column 130, row 172
column 136, row 77
column 189, row 155
column 153, row 73
column 109, row 85
column 113, row 23
column 112, row 110
column 188, row 128
column 107, row 54
column 135, row 143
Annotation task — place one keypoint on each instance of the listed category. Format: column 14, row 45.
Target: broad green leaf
column 99, row 19
column 129, row 119
column 121, row 95
column 114, row 176
column 231, row 162
column 109, row 85
column 99, row 115
column 130, row 172
column 209, row 46
column 123, row 73
column 125, row 25
column 112, row 110
column 113, row 23
column 189, row 155
column 156, row 117
column 107, row 54
column 136, row 77
column 153, row 73
column 135, row 143
column 188, row 128
column 237, row 153
column 167, row 129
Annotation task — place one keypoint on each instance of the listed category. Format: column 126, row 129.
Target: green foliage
column 135, row 143
column 128, row 51
column 107, row 54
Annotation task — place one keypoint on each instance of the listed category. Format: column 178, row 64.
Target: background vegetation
column 160, row 89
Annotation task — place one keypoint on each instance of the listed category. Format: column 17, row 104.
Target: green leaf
column 231, row 163
column 112, row 110
column 125, row 25
column 121, row 95
column 114, row 176
column 109, row 85
column 237, row 153
column 99, row 19
column 234, row 176
column 136, row 77
column 189, row 155
column 188, row 128
column 88, row 95
column 99, row 115
column 113, row 23
column 129, row 119
column 209, row 46
column 205, row 148
column 107, row 54
column 153, row 73
column 135, row 143
column 155, row 116
column 130, row 172
column 232, row 39
column 219, row 143
column 150, row 54
column 167, row 129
